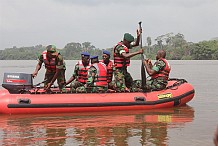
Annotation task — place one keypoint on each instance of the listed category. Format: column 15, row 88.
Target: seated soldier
column 109, row 64
column 97, row 76
column 159, row 72
column 80, row 74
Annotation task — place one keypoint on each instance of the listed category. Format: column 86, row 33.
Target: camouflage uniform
column 157, row 83
column 90, row 83
column 77, row 86
column 49, row 74
column 122, row 77
column 136, row 86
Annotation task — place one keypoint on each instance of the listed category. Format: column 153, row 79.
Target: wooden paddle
column 143, row 74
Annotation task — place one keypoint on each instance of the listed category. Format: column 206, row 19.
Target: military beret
column 106, row 52
column 94, row 57
column 51, row 48
column 128, row 37
column 85, row 54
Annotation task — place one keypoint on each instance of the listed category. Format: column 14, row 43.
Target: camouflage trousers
column 83, row 89
column 136, row 86
column 77, row 86
column 156, row 84
column 122, row 80
column 60, row 79
column 151, row 85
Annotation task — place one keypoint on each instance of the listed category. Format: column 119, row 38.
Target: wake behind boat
column 21, row 97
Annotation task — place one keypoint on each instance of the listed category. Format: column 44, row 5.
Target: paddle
column 143, row 74
column 40, row 83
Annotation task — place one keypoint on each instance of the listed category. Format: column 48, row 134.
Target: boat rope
column 176, row 84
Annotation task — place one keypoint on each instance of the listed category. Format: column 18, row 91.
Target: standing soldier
column 55, row 68
column 80, row 74
column 97, row 76
column 123, row 79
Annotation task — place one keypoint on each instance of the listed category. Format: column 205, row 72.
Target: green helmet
column 51, row 48
column 128, row 37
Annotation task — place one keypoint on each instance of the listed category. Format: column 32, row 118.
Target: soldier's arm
column 59, row 66
column 136, row 43
column 123, row 53
column 91, row 76
column 60, row 63
column 129, row 55
column 75, row 74
column 38, row 66
column 155, row 68
column 148, row 68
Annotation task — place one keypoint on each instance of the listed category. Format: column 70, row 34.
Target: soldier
column 80, row 74
column 123, row 79
column 159, row 72
column 55, row 68
column 97, row 76
column 109, row 64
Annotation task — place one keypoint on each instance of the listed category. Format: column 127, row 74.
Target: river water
column 192, row 125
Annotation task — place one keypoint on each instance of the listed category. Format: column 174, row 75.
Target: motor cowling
column 17, row 82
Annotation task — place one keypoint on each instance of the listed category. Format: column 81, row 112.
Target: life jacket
column 109, row 70
column 119, row 61
column 101, row 76
column 83, row 72
column 163, row 72
column 50, row 65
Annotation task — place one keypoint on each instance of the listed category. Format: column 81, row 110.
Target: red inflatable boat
column 21, row 97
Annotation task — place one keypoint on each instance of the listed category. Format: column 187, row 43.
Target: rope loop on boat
column 176, row 84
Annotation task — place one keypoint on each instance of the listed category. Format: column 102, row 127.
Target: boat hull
column 92, row 102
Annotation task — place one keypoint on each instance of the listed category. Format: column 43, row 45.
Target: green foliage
column 176, row 46
column 202, row 51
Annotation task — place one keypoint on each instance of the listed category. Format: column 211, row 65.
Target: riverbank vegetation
column 176, row 46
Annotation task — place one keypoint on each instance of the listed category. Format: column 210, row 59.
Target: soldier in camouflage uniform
column 97, row 77
column 159, row 72
column 55, row 68
column 79, row 77
column 123, row 79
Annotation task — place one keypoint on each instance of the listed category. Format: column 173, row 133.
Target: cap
column 106, row 52
column 94, row 57
column 51, row 48
column 128, row 37
column 85, row 54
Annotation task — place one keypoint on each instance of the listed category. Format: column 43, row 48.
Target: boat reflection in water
column 99, row 128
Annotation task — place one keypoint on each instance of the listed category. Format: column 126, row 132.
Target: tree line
column 176, row 46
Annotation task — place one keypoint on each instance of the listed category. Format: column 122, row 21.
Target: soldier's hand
column 34, row 74
column 148, row 60
column 140, row 51
column 47, row 88
column 145, row 62
column 138, row 32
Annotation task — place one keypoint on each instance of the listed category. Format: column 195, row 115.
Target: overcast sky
column 103, row 22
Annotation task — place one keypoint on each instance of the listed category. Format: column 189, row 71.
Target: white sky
column 103, row 22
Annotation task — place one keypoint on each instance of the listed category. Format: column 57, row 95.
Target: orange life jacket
column 83, row 72
column 109, row 70
column 101, row 77
column 119, row 61
column 50, row 65
column 163, row 72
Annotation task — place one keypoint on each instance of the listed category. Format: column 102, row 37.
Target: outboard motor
column 17, row 82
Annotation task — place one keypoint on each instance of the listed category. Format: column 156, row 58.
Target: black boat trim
column 103, row 104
